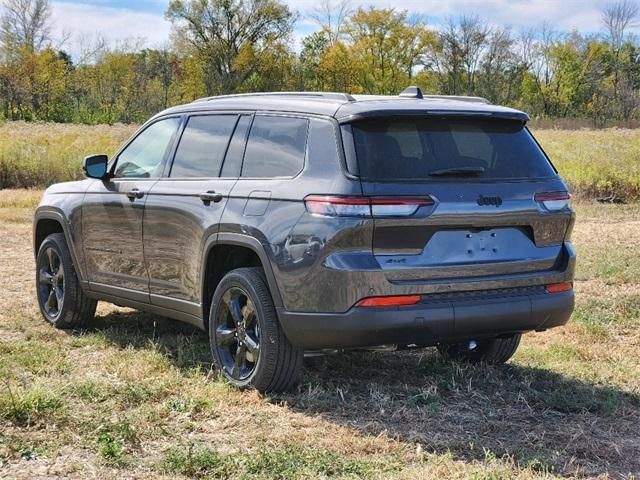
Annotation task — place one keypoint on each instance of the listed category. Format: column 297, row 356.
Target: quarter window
column 275, row 147
column 202, row 146
column 143, row 157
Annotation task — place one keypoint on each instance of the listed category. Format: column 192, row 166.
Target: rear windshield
column 428, row 148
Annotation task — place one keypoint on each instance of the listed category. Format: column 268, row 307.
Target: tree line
column 233, row 46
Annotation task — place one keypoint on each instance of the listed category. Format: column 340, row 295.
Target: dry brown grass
column 133, row 396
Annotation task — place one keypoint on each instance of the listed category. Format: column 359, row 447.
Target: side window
column 276, row 147
column 143, row 156
column 235, row 152
column 202, row 146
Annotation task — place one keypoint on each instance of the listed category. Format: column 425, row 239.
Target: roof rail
column 460, row 98
column 323, row 95
column 416, row 92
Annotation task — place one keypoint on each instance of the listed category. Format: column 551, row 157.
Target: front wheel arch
column 48, row 221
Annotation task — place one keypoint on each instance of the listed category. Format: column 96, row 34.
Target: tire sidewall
column 268, row 337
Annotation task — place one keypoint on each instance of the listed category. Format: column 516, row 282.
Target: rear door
column 480, row 178
column 185, row 206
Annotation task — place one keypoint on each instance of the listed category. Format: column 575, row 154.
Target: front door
column 113, row 210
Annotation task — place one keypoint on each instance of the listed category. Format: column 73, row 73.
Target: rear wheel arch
column 226, row 252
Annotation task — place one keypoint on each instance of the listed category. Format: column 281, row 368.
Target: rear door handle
column 211, row 196
column 134, row 193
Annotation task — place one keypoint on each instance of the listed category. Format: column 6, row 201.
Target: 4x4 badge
column 484, row 201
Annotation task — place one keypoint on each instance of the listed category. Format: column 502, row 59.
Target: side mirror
column 95, row 166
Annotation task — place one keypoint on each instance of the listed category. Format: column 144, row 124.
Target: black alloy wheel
column 61, row 299
column 247, row 343
column 237, row 334
column 51, row 284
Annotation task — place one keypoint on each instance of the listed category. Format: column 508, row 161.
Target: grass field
column 595, row 163
column 133, row 396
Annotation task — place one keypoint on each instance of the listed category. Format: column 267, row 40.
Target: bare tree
column 473, row 39
column 462, row 45
column 617, row 19
column 331, row 18
column 25, row 24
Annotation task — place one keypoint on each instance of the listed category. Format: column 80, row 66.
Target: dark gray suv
column 286, row 223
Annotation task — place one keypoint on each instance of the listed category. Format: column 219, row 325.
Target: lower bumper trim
column 427, row 323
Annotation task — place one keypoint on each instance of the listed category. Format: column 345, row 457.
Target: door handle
column 134, row 193
column 211, row 196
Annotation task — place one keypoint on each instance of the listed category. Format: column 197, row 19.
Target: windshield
column 425, row 148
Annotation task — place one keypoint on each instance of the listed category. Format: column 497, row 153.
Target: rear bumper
column 445, row 318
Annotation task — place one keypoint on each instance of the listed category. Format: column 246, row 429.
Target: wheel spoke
column 44, row 277
column 59, row 297
column 249, row 314
column 234, row 308
column 240, row 361
column 59, row 274
column 253, row 347
column 51, row 260
column 47, row 304
column 225, row 336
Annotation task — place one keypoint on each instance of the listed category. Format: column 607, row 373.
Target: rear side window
column 412, row 149
column 202, row 146
column 276, row 147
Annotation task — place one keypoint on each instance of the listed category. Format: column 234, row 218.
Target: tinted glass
column 202, row 146
column 411, row 149
column 143, row 157
column 233, row 160
column 275, row 147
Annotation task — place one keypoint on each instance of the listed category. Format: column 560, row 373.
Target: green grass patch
column 597, row 314
column 115, row 440
column 27, row 406
column 284, row 462
column 33, row 358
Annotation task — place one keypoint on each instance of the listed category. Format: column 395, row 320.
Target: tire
column 57, row 283
column 275, row 364
column 491, row 350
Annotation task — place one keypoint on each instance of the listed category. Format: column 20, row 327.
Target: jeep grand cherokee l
column 287, row 223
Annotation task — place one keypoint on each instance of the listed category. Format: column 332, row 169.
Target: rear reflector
column 553, row 200
column 334, row 206
column 394, row 301
column 559, row 287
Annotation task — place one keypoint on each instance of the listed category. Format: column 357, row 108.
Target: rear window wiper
column 458, row 172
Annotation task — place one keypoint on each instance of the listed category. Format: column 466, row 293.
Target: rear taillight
column 553, row 200
column 389, row 301
column 334, row 206
column 559, row 287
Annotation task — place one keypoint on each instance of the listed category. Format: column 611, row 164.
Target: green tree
column 388, row 47
column 221, row 32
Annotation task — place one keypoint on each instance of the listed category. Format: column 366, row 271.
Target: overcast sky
column 121, row 19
